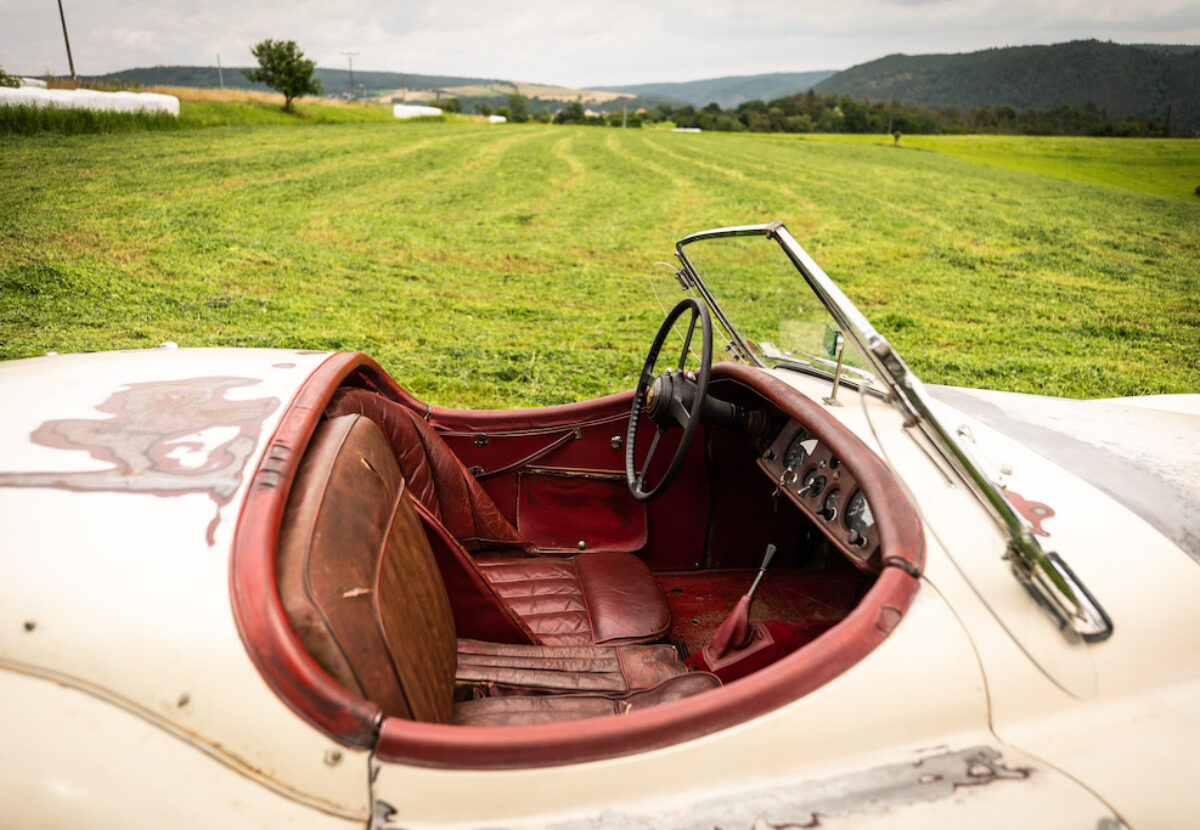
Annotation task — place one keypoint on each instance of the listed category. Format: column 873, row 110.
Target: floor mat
column 700, row 601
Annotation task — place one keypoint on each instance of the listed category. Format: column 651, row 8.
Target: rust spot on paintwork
column 166, row 438
column 1035, row 511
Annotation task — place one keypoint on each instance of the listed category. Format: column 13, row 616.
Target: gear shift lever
column 736, row 633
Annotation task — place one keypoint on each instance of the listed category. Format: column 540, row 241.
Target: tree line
column 809, row 112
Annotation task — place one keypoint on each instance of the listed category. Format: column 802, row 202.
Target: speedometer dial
column 799, row 451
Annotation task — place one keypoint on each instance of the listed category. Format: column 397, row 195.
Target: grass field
column 507, row 265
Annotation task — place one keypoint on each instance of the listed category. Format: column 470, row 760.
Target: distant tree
column 572, row 113
column 8, row 80
column 283, row 67
column 483, row 109
column 542, row 116
column 518, row 108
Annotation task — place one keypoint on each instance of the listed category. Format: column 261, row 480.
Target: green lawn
column 497, row 266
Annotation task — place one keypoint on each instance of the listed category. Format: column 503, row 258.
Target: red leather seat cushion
column 593, row 598
column 625, row 602
column 524, row 710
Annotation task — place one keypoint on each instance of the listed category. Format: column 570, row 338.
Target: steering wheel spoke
column 680, row 410
column 687, row 341
column 641, row 477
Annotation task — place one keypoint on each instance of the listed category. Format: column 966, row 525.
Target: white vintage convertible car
column 778, row 584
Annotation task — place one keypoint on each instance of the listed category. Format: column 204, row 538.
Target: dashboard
column 815, row 480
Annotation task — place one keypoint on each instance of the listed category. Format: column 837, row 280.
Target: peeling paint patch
column 167, row 438
column 931, row 778
column 1035, row 511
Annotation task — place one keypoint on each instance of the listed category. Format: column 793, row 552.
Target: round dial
column 829, row 507
column 799, row 450
column 813, row 485
column 858, row 517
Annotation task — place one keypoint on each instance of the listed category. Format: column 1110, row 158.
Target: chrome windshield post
column 1045, row 575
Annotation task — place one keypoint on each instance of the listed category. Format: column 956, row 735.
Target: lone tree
column 518, row 108
column 282, row 66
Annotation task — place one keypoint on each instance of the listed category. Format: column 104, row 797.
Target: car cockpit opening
column 485, row 589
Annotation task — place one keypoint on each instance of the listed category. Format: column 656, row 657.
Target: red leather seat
column 362, row 590
column 591, row 598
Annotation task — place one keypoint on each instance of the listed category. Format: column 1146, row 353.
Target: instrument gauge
column 859, row 518
column 800, row 450
column 829, row 507
column 813, row 485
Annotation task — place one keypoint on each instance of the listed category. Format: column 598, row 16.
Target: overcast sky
column 568, row 42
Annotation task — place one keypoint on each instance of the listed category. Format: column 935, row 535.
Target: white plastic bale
column 163, row 103
column 91, row 99
column 413, row 111
column 33, row 82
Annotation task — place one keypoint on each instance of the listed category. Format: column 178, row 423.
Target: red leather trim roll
column 261, row 620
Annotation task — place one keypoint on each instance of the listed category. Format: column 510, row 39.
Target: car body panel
column 75, row 760
column 1131, row 736
column 131, row 529
column 119, row 511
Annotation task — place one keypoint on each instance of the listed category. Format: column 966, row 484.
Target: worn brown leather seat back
column 357, row 577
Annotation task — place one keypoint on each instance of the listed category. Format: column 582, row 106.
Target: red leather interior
column 524, row 710
column 559, row 509
column 609, row 598
column 615, row 670
column 357, row 578
column 437, row 479
column 364, row 593
column 676, row 524
column 593, row 598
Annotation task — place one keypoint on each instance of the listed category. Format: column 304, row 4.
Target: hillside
column 334, row 80
column 1140, row 81
column 728, row 91
column 377, row 85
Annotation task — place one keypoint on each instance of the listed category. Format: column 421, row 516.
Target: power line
column 350, row 56
column 67, row 40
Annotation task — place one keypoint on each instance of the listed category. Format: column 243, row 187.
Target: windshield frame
column 1045, row 576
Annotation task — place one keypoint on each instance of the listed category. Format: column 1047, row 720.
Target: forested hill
column 729, row 91
column 1139, row 81
column 334, row 80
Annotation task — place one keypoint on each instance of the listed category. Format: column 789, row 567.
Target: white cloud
column 582, row 42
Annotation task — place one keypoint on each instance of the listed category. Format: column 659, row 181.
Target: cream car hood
column 1143, row 452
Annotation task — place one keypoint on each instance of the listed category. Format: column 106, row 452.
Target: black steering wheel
column 674, row 398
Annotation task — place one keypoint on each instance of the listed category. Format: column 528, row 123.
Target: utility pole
column 350, row 56
column 67, row 40
column 220, row 76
